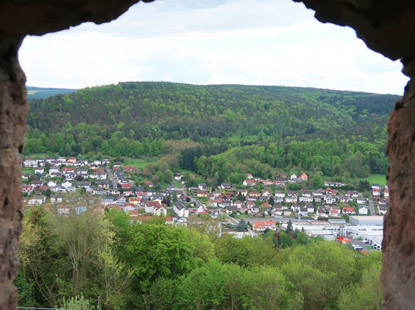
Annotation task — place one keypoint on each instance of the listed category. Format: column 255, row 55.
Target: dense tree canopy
column 84, row 259
column 258, row 127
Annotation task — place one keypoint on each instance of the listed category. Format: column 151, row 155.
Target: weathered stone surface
column 42, row 16
column 13, row 111
column 386, row 26
column 398, row 273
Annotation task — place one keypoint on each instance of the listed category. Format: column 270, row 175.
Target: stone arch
column 385, row 26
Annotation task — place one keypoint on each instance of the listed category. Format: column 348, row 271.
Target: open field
column 139, row 162
column 376, row 178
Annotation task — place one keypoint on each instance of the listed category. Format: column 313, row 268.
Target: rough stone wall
column 388, row 27
column 13, row 111
column 17, row 19
column 398, row 269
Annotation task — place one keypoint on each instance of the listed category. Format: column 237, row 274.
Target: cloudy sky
column 261, row 42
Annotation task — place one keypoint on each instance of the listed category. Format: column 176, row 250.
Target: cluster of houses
column 280, row 181
column 66, row 175
column 326, row 202
column 115, row 190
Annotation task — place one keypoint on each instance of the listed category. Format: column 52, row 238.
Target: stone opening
column 385, row 26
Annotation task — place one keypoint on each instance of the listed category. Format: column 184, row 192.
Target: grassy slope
column 376, row 178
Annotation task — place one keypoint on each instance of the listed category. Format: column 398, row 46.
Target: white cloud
column 272, row 42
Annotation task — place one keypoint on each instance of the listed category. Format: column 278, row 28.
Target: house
column 264, row 225
column 84, row 184
column 27, row 189
column 160, row 210
column 265, row 196
column 39, row 170
column 238, row 204
column 29, row 163
column 249, row 183
column 383, row 210
column 291, row 193
column 67, row 183
column 352, row 194
column 178, row 176
column 107, row 200
column 103, row 184
column 201, row 209
column 100, row 174
column 71, row 160
column 243, row 192
column 279, row 181
column 279, row 195
column 52, row 183
column 303, row 211
column 56, row 198
column 361, row 201
column 376, row 191
column 62, row 160
column 386, row 192
column 125, row 186
column 81, row 162
column 277, row 211
column 250, row 205
column 202, row 186
column 127, row 207
column 36, row 200
column 334, row 212
column 330, row 191
column 121, row 201
column 148, row 183
column 82, row 172
column 134, row 200
column 322, row 212
column 303, row 177
column 293, row 176
column 310, row 208
column 348, row 210
column 296, row 207
column 268, row 183
column 54, row 171
column 330, row 199
column 150, row 206
column 255, row 210
column 132, row 169
column 317, row 199
column 229, row 209
column 344, row 199
column 291, row 199
column 306, row 199
column 180, row 209
column 375, row 186
column 363, row 210
column 201, row 194
column 226, row 185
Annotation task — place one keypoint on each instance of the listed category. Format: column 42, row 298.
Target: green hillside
column 313, row 129
column 42, row 93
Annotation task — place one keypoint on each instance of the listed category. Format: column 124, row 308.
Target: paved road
column 111, row 177
column 232, row 220
column 371, row 207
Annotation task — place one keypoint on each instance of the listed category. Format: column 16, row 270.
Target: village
column 53, row 178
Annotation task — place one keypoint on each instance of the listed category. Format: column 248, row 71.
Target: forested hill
column 135, row 118
column 41, row 93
